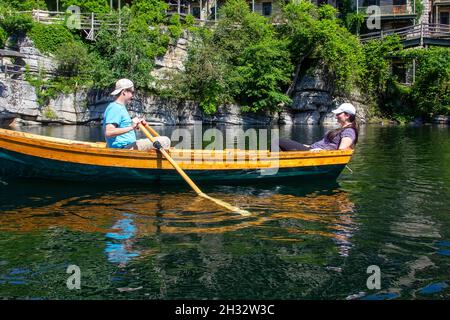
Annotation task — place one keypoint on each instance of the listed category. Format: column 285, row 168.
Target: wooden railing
column 391, row 10
column 419, row 31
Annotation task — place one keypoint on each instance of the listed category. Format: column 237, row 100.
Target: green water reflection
column 303, row 241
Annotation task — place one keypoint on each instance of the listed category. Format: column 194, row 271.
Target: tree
column 241, row 60
column 316, row 33
column 431, row 90
column 96, row 6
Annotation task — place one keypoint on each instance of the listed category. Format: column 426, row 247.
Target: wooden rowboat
column 35, row 156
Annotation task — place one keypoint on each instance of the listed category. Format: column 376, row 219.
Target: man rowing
column 118, row 126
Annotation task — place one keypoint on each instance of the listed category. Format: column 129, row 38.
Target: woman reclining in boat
column 342, row 138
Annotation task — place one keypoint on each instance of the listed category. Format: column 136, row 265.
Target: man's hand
column 136, row 122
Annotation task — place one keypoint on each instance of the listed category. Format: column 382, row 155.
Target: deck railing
column 423, row 30
column 391, row 10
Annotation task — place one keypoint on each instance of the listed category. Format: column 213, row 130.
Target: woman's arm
column 346, row 143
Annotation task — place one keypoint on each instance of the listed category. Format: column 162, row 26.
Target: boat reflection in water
column 280, row 214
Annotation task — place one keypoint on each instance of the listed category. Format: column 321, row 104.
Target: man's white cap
column 122, row 84
column 345, row 107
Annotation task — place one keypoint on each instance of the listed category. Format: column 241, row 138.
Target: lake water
column 303, row 241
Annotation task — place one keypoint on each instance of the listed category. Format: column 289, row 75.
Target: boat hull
column 13, row 164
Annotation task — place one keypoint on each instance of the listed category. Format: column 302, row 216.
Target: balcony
column 403, row 10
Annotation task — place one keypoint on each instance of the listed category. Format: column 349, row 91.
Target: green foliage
column 378, row 55
column 3, row 37
column 189, row 20
column 38, row 82
column 73, row 60
column 96, row 6
column 49, row 113
column 132, row 53
column 205, row 78
column 151, row 11
column 175, row 27
column 240, row 61
column 431, row 90
column 300, row 28
column 327, row 12
column 316, row 33
column 429, row 95
column 24, row 5
column 14, row 23
column 354, row 21
column 49, row 37
column 263, row 70
column 418, row 9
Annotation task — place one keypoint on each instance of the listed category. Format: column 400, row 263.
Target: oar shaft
column 172, row 162
column 152, row 131
column 189, row 181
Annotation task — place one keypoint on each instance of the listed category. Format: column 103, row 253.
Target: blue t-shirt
column 333, row 144
column 117, row 114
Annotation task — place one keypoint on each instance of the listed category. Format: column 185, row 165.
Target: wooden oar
column 188, row 180
column 152, row 131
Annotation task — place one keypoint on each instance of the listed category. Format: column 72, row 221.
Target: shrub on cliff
column 73, row 60
column 15, row 23
column 378, row 58
column 431, row 89
column 132, row 52
column 24, row 5
column 49, row 37
column 241, row 61
column 3, row 37
column 315, row 33
column 96, row 6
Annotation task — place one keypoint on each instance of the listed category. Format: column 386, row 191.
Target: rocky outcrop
column 173, row 60
column 441, row 119
column 18, row 100
column 34, row 58
column 312, row 99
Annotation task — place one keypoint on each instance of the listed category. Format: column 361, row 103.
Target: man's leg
column 146, row 144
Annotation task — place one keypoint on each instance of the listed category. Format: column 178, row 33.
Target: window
column 444, row 18
column 267, row 8
column 368, row 3
column 399, row 2
column 196, row 12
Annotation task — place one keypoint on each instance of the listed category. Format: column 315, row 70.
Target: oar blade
column 226, row 205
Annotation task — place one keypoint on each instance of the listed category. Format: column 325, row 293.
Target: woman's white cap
column 345, row 107
column 122, row 84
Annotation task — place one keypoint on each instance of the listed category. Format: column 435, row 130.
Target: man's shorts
column 146, row 144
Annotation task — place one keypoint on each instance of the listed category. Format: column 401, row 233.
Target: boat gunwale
column 97, row 148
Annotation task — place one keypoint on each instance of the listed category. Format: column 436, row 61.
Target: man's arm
column 111, row 129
